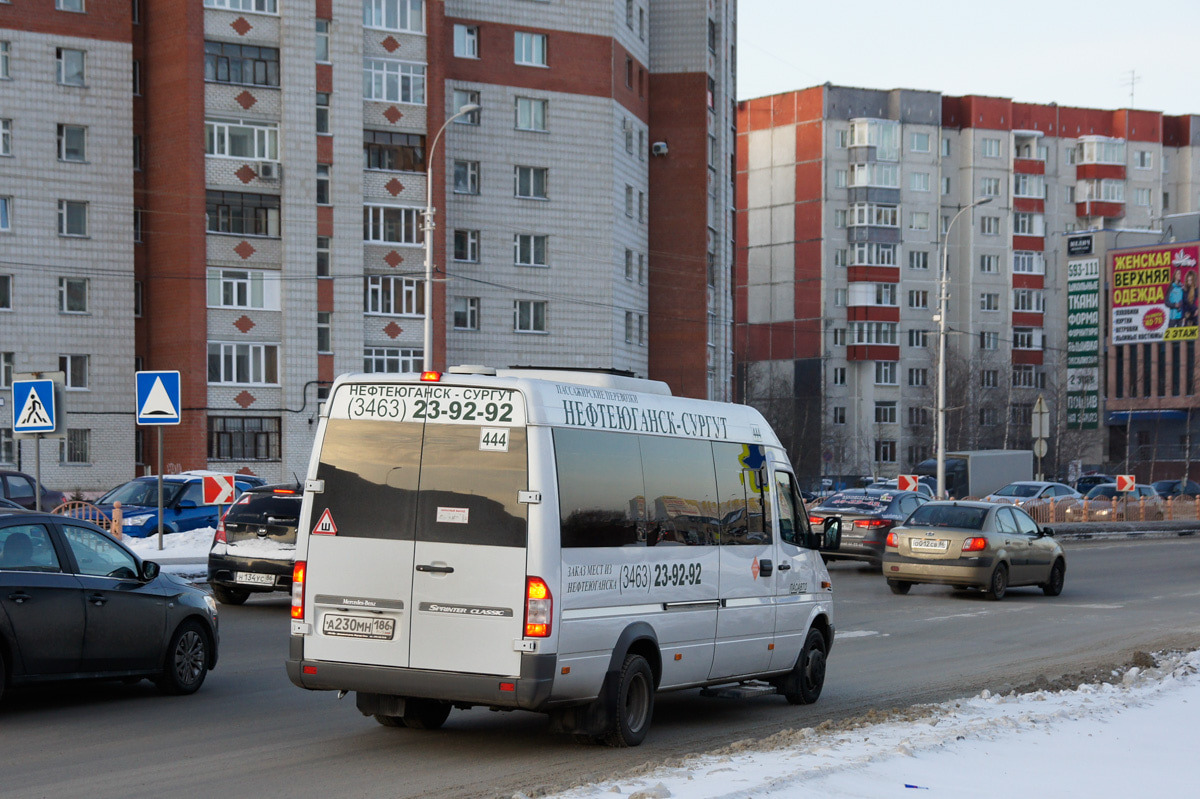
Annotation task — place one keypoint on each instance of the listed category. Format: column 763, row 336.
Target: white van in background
column 561, row 542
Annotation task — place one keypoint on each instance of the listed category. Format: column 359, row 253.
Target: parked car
column 1089, row 481
column 183, row 504
column 249, row 479
column 8, row 504
column 926, row 486
column 1026, row 491
column 254, row 547
column 973, row 545
column 1106, row 503
column 1169, row 489
column 75, row 603
column 867, row 515
column 20, row 488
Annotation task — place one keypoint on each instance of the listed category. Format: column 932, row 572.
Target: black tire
column 186, row 663
column 425, row 714
column 998, row 585
column 1054, row 585
column 803, row 686
column 390, row 721
column 229, row 596
column 633, row 705
column 899, row 586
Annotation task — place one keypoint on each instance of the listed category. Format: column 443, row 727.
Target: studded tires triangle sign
column 325, row 525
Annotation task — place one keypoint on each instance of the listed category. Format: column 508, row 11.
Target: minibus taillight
column 538, row 605
column 298, row 589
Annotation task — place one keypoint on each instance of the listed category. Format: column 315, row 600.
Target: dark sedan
column 20, row 488
column 75, row 603
column 1169, row 489
column 867, row 515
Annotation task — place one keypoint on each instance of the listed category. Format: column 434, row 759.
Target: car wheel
column 425, row 714
column 631, row 709
column 187, row 660
column 803, row 686
column 1054, row 586
column 999, row 582
column 899, row 586
column 229, row 596
column 390, row 721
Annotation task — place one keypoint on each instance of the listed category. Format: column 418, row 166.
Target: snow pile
column 1126, row 737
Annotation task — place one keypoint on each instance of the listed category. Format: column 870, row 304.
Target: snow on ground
column 1134, row 736
column 185, row 554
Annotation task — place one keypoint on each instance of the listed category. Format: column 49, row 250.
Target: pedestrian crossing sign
column 34, row 410
column 158, row 398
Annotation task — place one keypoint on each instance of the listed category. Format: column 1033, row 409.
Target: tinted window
column 793, row 521
column 27, row 547
column 936, row 515
column 600, row 492
column 741, row 495
column 257, row 508
column 1105, row 491
column 681, row 491
column 193, row 491
column 20, row 489
column 97, row 555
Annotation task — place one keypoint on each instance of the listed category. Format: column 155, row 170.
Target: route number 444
column 493, row 439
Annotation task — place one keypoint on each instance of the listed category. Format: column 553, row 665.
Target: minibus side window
column 600, row 492
column 742, row 495
column 793, row 521
column 681, row 492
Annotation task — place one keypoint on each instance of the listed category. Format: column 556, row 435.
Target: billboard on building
column 1083, row 343
column 1154, row 294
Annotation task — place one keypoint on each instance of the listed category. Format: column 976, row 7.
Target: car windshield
column 932, row 515
column 141, row 492
column 1018, row 490
column 1104, row 491
column 856, row 503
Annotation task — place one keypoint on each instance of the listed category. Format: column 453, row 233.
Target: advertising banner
column 1154, row 294
column 1083, row 344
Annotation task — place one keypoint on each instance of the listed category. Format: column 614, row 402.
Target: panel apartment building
column 845, row 199
column 253, row 192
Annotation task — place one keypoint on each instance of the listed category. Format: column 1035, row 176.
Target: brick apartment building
column 845, row 196
column 239, row 194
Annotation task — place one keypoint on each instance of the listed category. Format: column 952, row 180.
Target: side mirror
column 150, row 570
column 831, row 534
column 186, row 503
column 1047, row 531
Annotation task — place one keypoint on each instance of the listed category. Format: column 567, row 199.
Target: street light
column 427, row 363
column 943, row 291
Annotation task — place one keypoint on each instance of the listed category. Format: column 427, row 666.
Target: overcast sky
column 1072, row 53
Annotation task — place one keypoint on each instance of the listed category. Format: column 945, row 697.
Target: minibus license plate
column 930, row 544
column 348, row 626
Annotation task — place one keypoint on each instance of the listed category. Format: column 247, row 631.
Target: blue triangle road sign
column 158, row 398
column 34, row 410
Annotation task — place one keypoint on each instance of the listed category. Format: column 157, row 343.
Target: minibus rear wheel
column 633, row 704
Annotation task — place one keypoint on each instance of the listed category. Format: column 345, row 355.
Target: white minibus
column 556, row 541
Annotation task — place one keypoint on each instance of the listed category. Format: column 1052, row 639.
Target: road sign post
column 1041, row 431
column 158, row 404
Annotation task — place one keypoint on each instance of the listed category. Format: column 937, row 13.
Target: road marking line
column 859, row 634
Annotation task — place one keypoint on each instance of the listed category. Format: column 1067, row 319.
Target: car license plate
column 252, row 578
column 929, row 544
column 349, row 626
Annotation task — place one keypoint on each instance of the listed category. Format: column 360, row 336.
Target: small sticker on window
column 493, row 439
column 453, row 515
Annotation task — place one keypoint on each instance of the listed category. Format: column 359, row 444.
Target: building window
column 989, row 263
column 392, row 360
column 839, row 298
column 918, row 339
column 76, row 447
column 945, row 186
column 839, row 375
column 885, row 451
column 529, row 316
column 238, row 139
column 5, row 298
column 989, row 340
column 641, row 269
column 323, row 190
column 839, row 337
column 918, row 259
column 628, row 264
column 989, row 187
column 243, row 288
column 323, row 261
column 919, row 143
column 466, row 246
column 243, row 364
column 918, row 377
column 878, row 175
column 919, row 181
column 918, row 416
column 5, row 213
column 243, row 438
column 839, row 217
column 918, row 298
column 466, row 313
column 249, row 65
column 529, row 49
column 841, row 139
column 530, row 182
column 462, row 99
column 529, row 250
column 5, row 53
column 72, row 218
column 1023, row 376
column 393, row 152
column 839, row 257
column 991, row 148
column 242, row 214
column 629, row 327
column 989, row 378
column 885, row 412
column 1031, row 300
column 70, row 66
column 395, row 15
column 1142, row 197
column 388, row 295
column 138, row 293
column 72, row 295
column 989, row 225
column 75, row 371
column 1026, row 262
column 1029, row 186
column 72, row 143
column 1143, row 159
column 261, row 6
column 1029, row 224
column 918, row 220
column 531, row 114
column 873, row 333
column 393, row 81
column 874, row 215
column 885, row 294
column 1026, row 338
column 466, row 177
column 989, row 417
column 387, row 224
column 466, row 41
column 839, row 414
column 989, row 301
column 324, row 332
column 885, row 373
column 6, row 136
column 322, row 112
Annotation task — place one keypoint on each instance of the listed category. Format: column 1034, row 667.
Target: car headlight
column 134, row 521
column 212, row 604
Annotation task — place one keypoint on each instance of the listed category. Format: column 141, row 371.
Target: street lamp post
column 427, row 360
column 943, row 292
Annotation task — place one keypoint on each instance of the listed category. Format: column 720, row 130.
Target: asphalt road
column 250, row 732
